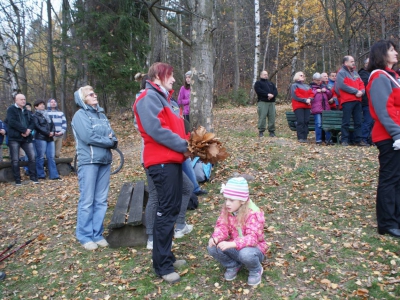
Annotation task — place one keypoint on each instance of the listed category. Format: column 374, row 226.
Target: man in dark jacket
column 266, row 93
column 20, row 126
column 368, row 122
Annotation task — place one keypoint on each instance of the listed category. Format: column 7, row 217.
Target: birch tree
column 9, row 68
column 256, row 47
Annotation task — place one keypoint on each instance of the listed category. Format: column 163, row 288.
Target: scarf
column 44, row 114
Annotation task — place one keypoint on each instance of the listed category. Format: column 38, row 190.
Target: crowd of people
column 343, row 90
column 31, row 136
column 371, row 97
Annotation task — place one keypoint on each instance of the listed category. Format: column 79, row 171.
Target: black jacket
column 42, row 127
column 18, row 121
column 263, row 87
column 364, row 74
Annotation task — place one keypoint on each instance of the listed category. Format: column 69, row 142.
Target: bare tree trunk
column 9, row 69
column 277, row 55
column 236, row 81
column 64, row 29
column 181, row 44
column 256, row 47
column 296, row 39
column 52, row 69
column 156, row 39
column 201, row 90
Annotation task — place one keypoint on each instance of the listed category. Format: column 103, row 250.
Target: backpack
column 201, row 170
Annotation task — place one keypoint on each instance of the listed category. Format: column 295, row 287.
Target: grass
column 319, row 204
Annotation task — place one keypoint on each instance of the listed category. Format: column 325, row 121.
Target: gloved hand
column 115, row 146
column 396, row 145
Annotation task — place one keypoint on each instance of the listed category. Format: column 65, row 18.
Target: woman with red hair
column 302, row 95
column 165, row 148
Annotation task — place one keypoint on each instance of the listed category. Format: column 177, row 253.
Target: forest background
column 226, row 44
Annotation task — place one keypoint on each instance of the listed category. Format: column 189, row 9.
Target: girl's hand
column 212, row 242
column 226, row 245
column 308, row 101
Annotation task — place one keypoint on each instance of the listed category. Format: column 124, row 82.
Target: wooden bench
column 332, row 122
column 63, row 168
column 291, row 119
column 127, row 227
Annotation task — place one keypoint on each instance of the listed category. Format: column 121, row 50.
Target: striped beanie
column 236, row 189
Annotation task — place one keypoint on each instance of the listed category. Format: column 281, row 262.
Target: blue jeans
column 43, row 147
column 318, row 129
column 188, row 170
column 349, row 109
column 250, row 257
column 94, row 181
column 14, row 153
column 367, row 124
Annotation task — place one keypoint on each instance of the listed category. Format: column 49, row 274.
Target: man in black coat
column 368, row 122
column 20, row 126
column 266, row 93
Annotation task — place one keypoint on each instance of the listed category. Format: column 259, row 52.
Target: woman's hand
column 319, row 90
column 226, row 245
column 308, row 101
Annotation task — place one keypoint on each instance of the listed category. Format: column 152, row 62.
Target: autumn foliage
column 206, row 146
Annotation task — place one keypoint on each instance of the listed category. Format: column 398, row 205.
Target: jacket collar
column 150, row 84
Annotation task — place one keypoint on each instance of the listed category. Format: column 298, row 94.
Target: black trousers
column 167, row 179
column 302, row 119
column 388, row 193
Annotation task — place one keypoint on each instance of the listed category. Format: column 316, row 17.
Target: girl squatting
column 238, row 238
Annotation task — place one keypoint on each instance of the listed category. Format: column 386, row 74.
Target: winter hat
column 316, row 76
column 236, row 189
column 188, row 73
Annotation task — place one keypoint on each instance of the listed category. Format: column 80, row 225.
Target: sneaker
column 149, row 245
column 345, row 144
column 272, row 134
column 58, row 178
column 255, row 278
column 18, row 183
column 35, row 181
column 362, row 144
column 2, row 275
column 230, row 273
column 102, row 243
column 303, row 141
column 260, row 134
column 179, row 263
column 201, row 192
column 179, row 233
column 172, row 277
column 90, row 246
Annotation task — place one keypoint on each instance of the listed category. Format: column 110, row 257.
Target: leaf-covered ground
column 319, row 203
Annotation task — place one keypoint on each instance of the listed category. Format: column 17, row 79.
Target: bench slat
column 136, row 205
column 7, row 164
column 122, row 206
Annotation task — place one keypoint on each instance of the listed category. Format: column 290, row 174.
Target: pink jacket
column 184, row 100
column 251, row 235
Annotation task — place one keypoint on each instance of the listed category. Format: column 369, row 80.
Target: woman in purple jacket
column 320, row 103
column 184, row 96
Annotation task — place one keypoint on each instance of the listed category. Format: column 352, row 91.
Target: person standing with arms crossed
column 266, row 94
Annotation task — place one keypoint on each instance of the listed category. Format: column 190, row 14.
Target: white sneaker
column 150, row 245
column 102, row 243
column 90, row 246
column 181, row 232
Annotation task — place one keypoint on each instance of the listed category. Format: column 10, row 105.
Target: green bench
column 291, row 119
column 332, row 122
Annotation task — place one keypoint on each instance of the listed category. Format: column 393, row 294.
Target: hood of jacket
column 78, row 97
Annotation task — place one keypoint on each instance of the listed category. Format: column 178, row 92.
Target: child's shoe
column 255, row 277
column 230, row 273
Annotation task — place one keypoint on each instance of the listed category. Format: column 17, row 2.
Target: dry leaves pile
column 206, row 146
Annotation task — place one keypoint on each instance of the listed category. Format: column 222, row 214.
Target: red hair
column 162, row 70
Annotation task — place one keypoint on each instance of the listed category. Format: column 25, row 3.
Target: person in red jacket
column 302, row 95
column 383, row 92
column 165, row 149
column 349, row 88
